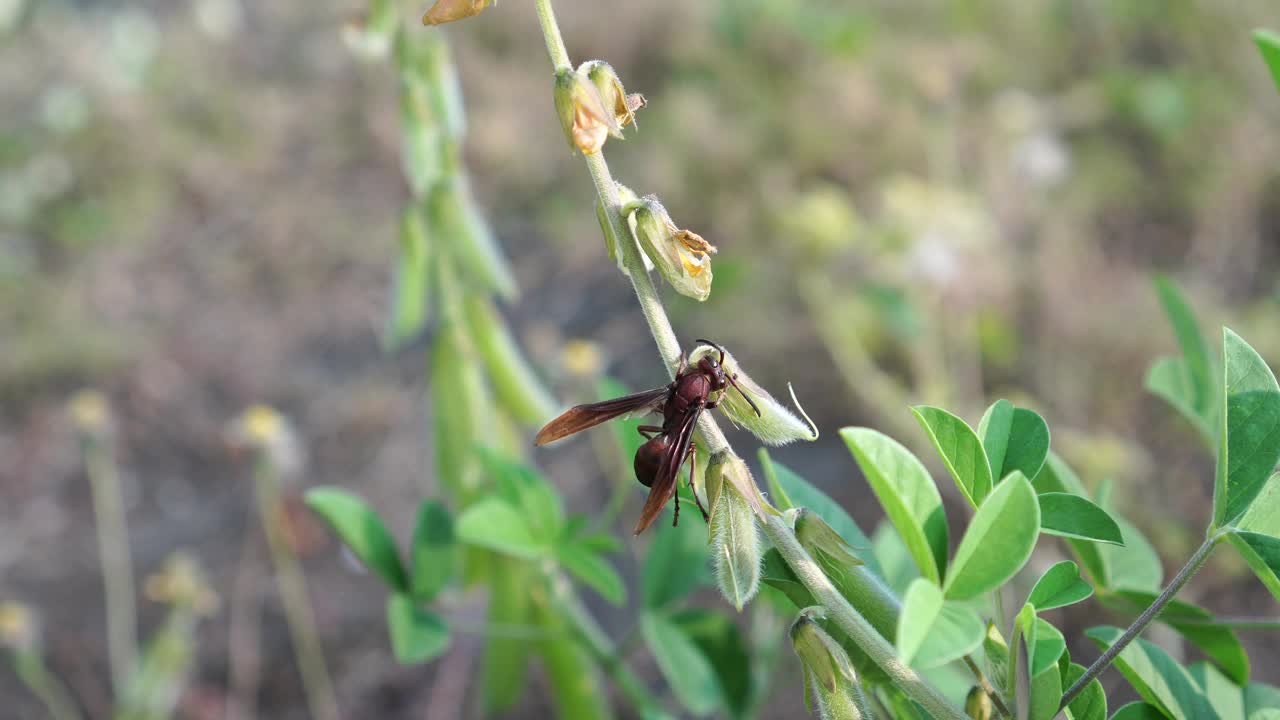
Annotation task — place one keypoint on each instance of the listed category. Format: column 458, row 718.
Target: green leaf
column 921, row 605
column 998, row 541
column 494, row 524
column 908, row 496
column 1264, row 514
column 409, row 294
column 362, row 531
column 1045, row 643
column 1014, row 439
column 1139, row 711
column 1091, row 703
column 1133, row 566
column 434, row 551
column 1250, row 443
column 682, row 663
column 996, row 652
column 960, row 449
column 1057, row 476
column 790, row 490
column 892, row 555
column 1158, row 678
column 721, row 642
column 956, row 632
column 1058, row 587
column 527, row 490
column 1269, row 43
column 777, row 574
column 1262, row 553
column 1261, row 701
column 1046, row 694
column 1072, row 516
column 595, row 571
column 1226, row 697
column 1195, row 624
column 1169, row 379
column 417, row 634
column 674, row 564
column 1195, row 351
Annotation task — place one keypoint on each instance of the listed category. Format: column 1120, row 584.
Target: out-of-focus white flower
column 1042, row 158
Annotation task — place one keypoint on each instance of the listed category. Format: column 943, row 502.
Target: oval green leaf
column 908, row 496
column 920, row 607
column 682, row 663
column 1250, row 442
column 1134, row 565
column 956, row 632
column 960, row 449
column 1262, row 553
column 1072, row 516
column 674, row 564
column 1046, row 694
column 1139, row 711
column 362, row 531
column 1269, row 43
column 494, row 524
column 1195, row 351
column 1059, row 586
column 1158, row 678
column 1013, row 439
column 1091, row 703
column 432, row 557
column 417, row 634
column 587, row 565
column 998, row 541
column 1195, row 624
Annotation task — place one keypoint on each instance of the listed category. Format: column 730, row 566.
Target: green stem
column 293, row 596
column 985, row 684
column 854, row 624
column 117, row 565
column 1182, row 578
column 712, row 439
column 551, row 33
column 45, row 685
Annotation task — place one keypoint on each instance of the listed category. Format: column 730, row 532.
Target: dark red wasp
column 659, row 459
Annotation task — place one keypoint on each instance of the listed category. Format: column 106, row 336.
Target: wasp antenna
column 714, row 345
column 746, row 397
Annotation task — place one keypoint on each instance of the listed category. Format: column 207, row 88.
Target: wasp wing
column 664, row 481
column 579, row 418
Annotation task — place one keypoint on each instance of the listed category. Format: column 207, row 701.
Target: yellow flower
column 449, row 10
column 612, row 94
column 89, row 412
column 586, row 121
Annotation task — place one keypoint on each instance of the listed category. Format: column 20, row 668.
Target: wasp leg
column 676, row 520
column 650, row 431
column 693, row 473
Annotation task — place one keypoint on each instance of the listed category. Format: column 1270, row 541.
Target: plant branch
column 985, row 684
column 116, row 564
column 1182, row 578
column 713, row 440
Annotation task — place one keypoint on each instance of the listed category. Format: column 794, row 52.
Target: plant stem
column 31, row 669
column 854, row 624
column 713, row 440
column 1184, row 575
column 985, row 684
column 293, row 596
column 117, row 566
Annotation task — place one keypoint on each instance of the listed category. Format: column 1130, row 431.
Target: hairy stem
column 985, row 684
column 117, row 565
column 713, row 440
column 293, row 596
column 1182, row 578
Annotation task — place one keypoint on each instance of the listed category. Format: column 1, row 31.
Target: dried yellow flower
column 445, row 11
column 586, row 121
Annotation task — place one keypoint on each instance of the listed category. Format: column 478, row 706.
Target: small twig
column 985, row 684
column 1184, row 575
column 35, row 675
column 117, row 565
column 243, row 653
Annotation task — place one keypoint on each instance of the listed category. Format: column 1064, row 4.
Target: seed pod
column 775, row 425
column 625, row 197
column 445, row 11
column 514, row 382
column 612, row 94
column 410, row 295
column 682, row 257
column 460, row 408
column 586, row 121
column 735, row 538
column 427, row 70
column 458, row 222
column 977, row 704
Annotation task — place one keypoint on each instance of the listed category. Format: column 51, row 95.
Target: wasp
column 669, row 445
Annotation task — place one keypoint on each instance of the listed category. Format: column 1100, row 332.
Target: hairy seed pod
column 681, row 256
column 775, row 425
column 514, row 382
column 735, row 538
column 459, row 223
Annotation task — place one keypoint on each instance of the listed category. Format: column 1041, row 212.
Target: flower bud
column 735, row 538
column 19, row 628
column 612, row 94
column 822, row 541
column 182, row 583
column 445, row 11
column 775, row 424
column 977, row 704
column 682, row 257
column 625, row 197
column 830, row 681
column 90, row 413
column 586, row 121
column 265, row 430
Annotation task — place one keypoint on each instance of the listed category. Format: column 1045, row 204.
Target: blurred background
column 943, row 202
